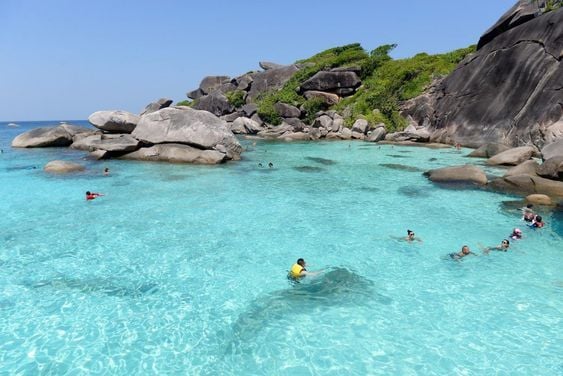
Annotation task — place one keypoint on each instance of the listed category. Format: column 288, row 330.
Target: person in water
column 106, row 171
column 516, row 234
column 465, row 251
column 92, row 195
column 528, row 213
column 503, row 247
column 299, row 270
column 537, row 222
column 411, row 237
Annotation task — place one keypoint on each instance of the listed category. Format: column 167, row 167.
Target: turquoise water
column 182, row 269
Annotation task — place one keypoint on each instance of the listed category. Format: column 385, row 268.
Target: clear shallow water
column 181, row 269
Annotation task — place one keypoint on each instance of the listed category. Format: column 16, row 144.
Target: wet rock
column 526, row 184
column 458, row 174
column 539, row 199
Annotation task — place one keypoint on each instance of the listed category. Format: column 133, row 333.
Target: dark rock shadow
column 414, row 191
column 401, row 167
column 308, row 169
column 323, row 161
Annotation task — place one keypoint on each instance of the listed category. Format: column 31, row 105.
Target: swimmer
column 537, row 222
column 92, row 195
column 260, row 165
column 410, row 237
column 298, row 270
column 106, row 171
column 270, row 165
column 503, row 247
column 528, row 213
column 516, row 234
column 464, row 252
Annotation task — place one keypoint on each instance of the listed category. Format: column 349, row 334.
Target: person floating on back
column 537, row 222
column 299, row 270
column 465, row 251
column 92, row 195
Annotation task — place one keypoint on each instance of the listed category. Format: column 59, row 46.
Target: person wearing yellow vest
column 298, row 270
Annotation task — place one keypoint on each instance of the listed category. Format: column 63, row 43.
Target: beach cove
column 182, row 268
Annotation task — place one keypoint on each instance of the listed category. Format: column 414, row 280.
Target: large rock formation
column 114, row 121
column 185, row 125
column 509, row 91
column 61, row 135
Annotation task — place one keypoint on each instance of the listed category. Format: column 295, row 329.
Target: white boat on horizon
column 13, row 125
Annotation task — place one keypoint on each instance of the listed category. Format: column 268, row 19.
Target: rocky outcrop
column 488, row 150
column 267, row 65
column 509, row 91
column 211, row 83
column 116, row 143
column 244, row 125
column 526, row 184
column 271, row 79
column 286, row 110
column 114, row 121
column 328, row 98
column 512, row 157
column 554, row 149
column 184, row 125
column 61, row 135
column 551, row 168
column 158, row 105
column 458, row 174
column 216, row 103
column 539, row 199
column 177, row 153
column 62, row 167
column 525, row 168
column 331, row 80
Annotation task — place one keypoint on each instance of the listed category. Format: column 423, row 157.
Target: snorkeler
column 503, row 247
column 464, row 252
column 92, row 195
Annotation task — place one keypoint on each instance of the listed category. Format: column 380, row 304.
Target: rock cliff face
column 510, row 91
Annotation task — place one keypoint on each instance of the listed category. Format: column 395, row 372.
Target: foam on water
column 182, row 269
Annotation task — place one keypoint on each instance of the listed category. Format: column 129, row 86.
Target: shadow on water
column 323, row 161
column 95, row 285
column 369, row 189
column 308, row 169
column 414, row 191
column 337, row 287
column 401, row 167
column 397, row 156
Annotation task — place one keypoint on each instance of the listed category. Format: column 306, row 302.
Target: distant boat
column 13, row 125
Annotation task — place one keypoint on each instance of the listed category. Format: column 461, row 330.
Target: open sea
column 181, row 269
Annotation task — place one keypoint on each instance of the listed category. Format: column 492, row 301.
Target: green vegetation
column 236, row 98
column 349, row 55
column 385, row 83
column 186, row 103
column 552, row 5
column 395, row 81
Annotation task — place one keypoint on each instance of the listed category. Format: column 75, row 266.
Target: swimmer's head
column 505, row 243
column 538, row 218
column 465, row 250
column 301, row 262
column 88, row 192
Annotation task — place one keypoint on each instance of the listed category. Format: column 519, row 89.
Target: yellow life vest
column 296, row 270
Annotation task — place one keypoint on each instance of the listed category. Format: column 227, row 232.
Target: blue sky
column 64, row 59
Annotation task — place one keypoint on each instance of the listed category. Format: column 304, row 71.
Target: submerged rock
column 62, row 167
